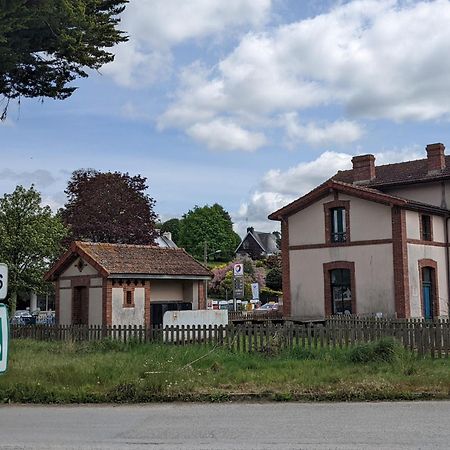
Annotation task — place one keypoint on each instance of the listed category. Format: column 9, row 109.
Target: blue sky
column 248, row 103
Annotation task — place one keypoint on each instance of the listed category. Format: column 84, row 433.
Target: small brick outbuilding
column 120, row 284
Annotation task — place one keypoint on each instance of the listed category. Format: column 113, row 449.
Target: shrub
column 383, row 350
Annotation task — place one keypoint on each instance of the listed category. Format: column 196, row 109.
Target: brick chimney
column 250, row 230
column 363, row 168
column 435, row 157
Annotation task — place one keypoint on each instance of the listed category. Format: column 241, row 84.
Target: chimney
column 250, row 230
column 363, row 168
column 168, row 235
column 435, row 157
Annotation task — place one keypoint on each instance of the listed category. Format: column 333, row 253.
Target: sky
column 247, row 103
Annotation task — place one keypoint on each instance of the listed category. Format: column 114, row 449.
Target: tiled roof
column 365, row 192
column 399, row 173
column 267, row 241
column 112, row 259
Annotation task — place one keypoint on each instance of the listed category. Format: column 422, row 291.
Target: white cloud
column 222, row 134
column 130, row 111
column 156, row 27
column 277, row 188
column 370, row 58
column 339, row 132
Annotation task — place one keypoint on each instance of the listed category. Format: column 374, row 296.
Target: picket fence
column 423, row 337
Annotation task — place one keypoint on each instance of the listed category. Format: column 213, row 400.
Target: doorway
column 157, row 310
column 80, row 306
column 341, row 291
column 428, row 292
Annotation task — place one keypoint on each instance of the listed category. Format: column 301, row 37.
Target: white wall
column 374, row 279
column 431, row 193
column 95, row 305
column 308, row 225
column 166, row 291
column 128, row 316
column 65, row 306
column 368, row 220
column 72, row 270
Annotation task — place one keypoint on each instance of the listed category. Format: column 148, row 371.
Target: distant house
column 165, row 240
column 119, row 284
column 257, row 244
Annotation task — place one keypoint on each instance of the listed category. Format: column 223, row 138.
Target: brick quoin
column 147, row 318
column 400, row 257
column 286, row 275
column 107, row 302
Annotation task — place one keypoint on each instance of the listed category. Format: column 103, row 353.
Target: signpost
column 4, row 323
column 238, row 283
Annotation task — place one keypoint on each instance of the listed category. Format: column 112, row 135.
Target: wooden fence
column 424, row 337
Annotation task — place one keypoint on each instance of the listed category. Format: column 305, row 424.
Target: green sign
column 4, row 337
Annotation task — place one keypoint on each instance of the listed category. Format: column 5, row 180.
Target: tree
column 109, row 207
column 274, row 279
column 172, row 226
column 210, row 224
column 30, row 240
column 47, row 44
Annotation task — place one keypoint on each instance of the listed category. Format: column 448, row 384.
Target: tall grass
column 111, row 371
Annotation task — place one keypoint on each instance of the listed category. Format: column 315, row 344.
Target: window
column 338, row 225
column 128, row 298
column 341, row 292
column 426, row 228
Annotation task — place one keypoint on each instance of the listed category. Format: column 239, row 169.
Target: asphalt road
column 228, row 426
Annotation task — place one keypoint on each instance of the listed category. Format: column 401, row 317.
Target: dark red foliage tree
column 109, row 207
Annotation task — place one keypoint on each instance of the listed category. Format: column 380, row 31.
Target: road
column 228, row 426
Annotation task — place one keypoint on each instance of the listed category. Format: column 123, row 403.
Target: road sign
column 255, row 291
column 238, row 270
column 4, row 337
column 238, row 287
column 3, row 281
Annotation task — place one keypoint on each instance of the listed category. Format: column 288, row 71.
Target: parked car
column 22, row 317
column 268, row 307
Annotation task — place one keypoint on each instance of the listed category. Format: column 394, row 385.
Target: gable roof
column 399, row 173
column 131, row 260
column 363, row 192
column 267, row 241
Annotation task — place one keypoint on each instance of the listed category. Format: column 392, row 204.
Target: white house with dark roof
column 373, row 239
column 119, row 284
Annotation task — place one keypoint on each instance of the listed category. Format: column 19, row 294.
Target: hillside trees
column 30, row 240
column 46, row 44
column 109, row 207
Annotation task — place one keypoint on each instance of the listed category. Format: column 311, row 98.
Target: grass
column 107, row 371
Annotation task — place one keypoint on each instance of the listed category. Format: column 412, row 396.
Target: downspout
column 447, row 263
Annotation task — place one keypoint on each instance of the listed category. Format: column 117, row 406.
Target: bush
column 383, row 350
column 274, row 279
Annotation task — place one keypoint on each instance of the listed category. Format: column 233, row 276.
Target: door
column 80, row 306
column 341, row 291
column 427, row 292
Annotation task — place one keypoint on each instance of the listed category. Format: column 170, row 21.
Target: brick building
column 118, row 284
column 373, row 239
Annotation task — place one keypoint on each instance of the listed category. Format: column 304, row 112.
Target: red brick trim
column 127, row 289
column 421, row 227
column 201, row 295
column 327, row 208
column 348, row 244
column 400, row 259
column 147, row 318
column 107, row 302
column 431, row 243
column 328, row 300
column 57, row 303
column 81, row 281
column 422, row 263
column 286, row 270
